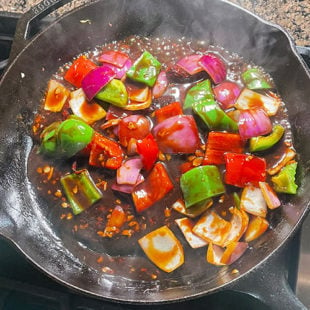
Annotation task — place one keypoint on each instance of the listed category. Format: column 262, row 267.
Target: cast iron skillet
column 24, row 218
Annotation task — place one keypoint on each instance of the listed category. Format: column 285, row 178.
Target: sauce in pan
column 115, row 249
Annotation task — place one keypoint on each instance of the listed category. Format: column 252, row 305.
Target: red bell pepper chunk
column 167, row 111
column 78, row 70
column 154, row 188
column 219, row 143
column 105, row 153
column 242, row 169
column 148, row 150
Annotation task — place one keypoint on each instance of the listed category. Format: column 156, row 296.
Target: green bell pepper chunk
column 284, row 181
column 80, row 191
column 254, row 79
column 65, row 139
column 201, row 91
column 213, row 116
column 236, row 200
column 145, row 69
column 115, row 93
column 263, row 143
column 201, row 183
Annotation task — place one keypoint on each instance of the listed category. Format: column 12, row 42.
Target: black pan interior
column 25, row 220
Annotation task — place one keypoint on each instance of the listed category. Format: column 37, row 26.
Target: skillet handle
column 30, row 18
column 269, row 283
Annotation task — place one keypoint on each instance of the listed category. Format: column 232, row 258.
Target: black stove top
column 22, row 286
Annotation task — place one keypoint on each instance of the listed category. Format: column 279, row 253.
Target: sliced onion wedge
column 190, row 64
column 127, row 188
column 56, row 96
column 253, row 123
column 186, row 225
column 253, row 202
column 249, row 99
column 257, row 226
column 212, row 228
column 288, row 155
column 214, row 66
column 115, row 58
column 239, row 223
column 120, row 72
column 129, row 171
column 226, row 93
column 233, row 252
column 138, row 94
column 193, row 211
column 89, row 112
column 96, row 79
column 160, row 85
column 136, row 105
column 219, row 256
column 163, row 248
column 270, row 196
column 215, row 254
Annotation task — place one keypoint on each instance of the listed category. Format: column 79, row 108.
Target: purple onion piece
column 129, row 171
column 190, row 64
column 120, row 72
column 214, row 66
column 115, row 58
column 226, row 93
column 95, row 80
column 254, row 123
column 160, row 85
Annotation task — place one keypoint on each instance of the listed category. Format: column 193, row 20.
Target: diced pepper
column 200, row 184
column 236, row 200
column 116, row 220
column 56, row 96
column 154, row 188
column 115, row 93
column 213, row 116
column 148, row 150
column 284, row 181
column 201, row 91
column 78, row 70
column 163, row 248
column 263, row 143
column 65, row 139
column 80, row 190
column 219, row 143
column 105, row 153
column 145, row 69
column 254, row 79
column 242, row 169
column 167, row 111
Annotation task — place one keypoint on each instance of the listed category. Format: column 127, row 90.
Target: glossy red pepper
column 148, row 150
column 219, row 143
column 167, row 111
column 105, row 153
column 78, row 70
column 154, row 188
column 242, row 169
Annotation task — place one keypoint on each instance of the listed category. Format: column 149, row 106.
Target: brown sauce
column 86, row 230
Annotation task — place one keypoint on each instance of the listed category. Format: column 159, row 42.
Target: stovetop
column 22, row 286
